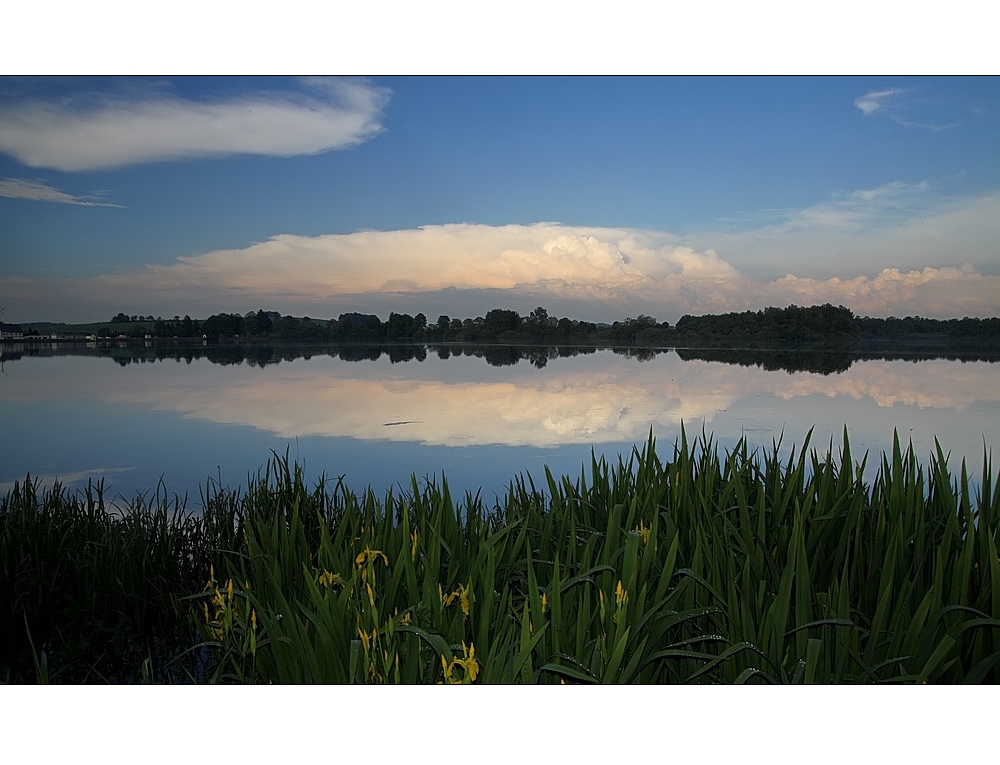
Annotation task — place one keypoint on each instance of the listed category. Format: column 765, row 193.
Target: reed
column 776, row 566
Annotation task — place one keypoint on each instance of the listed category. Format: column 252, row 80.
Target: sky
column 597, row 198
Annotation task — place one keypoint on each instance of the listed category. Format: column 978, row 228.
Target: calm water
column 134, row 419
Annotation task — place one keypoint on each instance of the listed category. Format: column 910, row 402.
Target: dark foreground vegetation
column 700, row 568
column 818, row 326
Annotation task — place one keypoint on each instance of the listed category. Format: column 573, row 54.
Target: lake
column 134, row 415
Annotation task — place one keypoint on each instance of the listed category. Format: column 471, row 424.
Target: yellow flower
column 468, row 663
column 643, row 530
column 371, row 556
column 327, row 579
column 211, row 583
column 464, row 594
column 621, row 596
column 545, row 602
column 413, row 547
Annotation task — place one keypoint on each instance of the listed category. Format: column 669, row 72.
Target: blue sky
column 598, row 198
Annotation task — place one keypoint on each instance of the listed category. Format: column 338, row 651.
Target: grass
column 775, row 566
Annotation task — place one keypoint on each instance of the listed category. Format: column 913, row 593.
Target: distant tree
column 258, row 323
column 399, row 326
column 419, row 323
column 499, row 321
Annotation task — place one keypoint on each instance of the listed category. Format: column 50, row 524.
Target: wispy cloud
column 861, row 208
column 890, row 103
column 36, row 191
column 106, row 131
column 879, row 100
column 907, row 226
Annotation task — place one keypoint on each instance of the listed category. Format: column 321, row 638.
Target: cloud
column 899, row 225
column 105, row 131
column 878, row 100
column 899, row 249
column 942, row 292
column 888, row 101
column 461, row 256
column 36, row 191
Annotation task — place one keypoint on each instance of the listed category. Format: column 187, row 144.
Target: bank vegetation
column 676, row 565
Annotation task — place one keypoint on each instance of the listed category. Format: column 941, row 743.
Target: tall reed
column 703, row 568
column 775, row 565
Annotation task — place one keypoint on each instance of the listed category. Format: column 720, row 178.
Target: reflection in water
column 449, row 398
column 261, row 354
column 821, row 362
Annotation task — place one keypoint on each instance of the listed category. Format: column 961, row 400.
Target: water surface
column 132, row 420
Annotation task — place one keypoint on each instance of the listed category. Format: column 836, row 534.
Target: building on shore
column 10, row 332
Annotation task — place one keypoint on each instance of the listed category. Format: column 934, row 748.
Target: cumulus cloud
column 460, row 256
column 109, row 131
column 934, row 257
column 944, row 292
column 36, row 191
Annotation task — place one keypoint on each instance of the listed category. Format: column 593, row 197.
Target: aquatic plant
column 779, row 566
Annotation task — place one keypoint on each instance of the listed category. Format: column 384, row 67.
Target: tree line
column 794, row 326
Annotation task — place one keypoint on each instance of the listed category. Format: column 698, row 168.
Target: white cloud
column 36, row 191
column 889, row 103
column 898, row 225
column 877, row 100
column 462, row 256
column 941, row 292
column 112, row 131
column 897, row 249
column 864, row 207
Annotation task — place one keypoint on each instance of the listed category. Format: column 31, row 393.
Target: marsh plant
column 779, row 566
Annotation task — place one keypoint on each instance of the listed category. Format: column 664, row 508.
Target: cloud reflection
column 599, row 398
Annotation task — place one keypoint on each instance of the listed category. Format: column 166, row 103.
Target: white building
column 10, row 332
